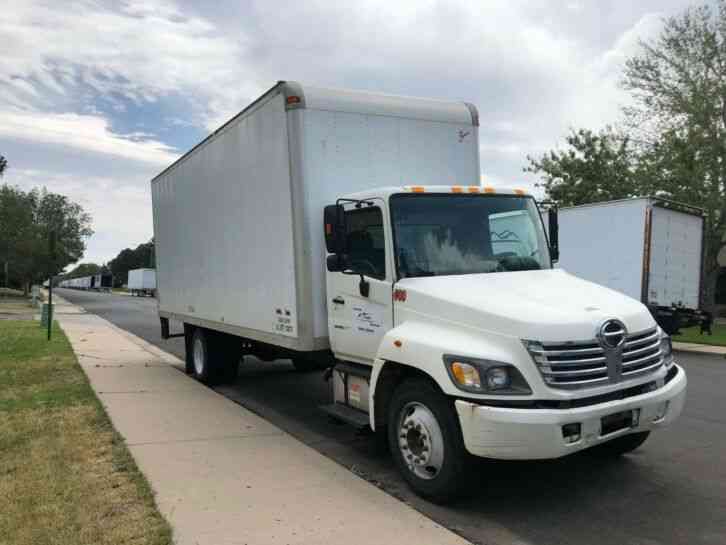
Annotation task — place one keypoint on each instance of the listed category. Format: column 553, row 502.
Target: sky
column 98, row 97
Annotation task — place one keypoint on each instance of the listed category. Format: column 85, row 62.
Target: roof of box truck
column 657, row 201
column 299, row 96
column 383, row 192
column 374, row 103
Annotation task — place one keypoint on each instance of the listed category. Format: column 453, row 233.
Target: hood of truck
column 543, row 305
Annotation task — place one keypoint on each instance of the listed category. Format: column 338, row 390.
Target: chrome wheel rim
column 198, row 356
column 420, row 441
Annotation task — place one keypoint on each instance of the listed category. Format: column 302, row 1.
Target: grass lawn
column 692, row 335
column 66, row 477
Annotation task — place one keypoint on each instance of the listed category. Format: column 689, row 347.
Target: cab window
column 366, row 241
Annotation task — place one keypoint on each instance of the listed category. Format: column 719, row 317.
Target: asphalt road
column 670, row 491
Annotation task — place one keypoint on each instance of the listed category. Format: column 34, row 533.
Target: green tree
column 593, row 167
column 678, row 82
column 84, row 269
column 72, row 226
column 3, row 165
column 142, row 256
column 17, row 234
column 673, row 141
column 26, row 221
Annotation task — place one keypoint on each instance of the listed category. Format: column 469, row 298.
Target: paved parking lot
column 671, row 491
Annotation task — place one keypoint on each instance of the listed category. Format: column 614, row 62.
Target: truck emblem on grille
column 612, row 334
column 611, row 337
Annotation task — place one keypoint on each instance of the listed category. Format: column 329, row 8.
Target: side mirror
column 335, row 229
column 554, row 234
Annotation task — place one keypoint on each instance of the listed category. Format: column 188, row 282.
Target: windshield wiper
column 519, row 264
column 423, row 273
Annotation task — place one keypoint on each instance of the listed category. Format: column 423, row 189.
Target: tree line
column 129, row 259
column 671, row 141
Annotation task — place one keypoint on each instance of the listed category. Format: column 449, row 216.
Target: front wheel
column 426, row 442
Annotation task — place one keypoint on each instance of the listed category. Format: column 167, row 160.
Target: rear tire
column 202, row 367
column 215, row 356
column 425, row 440
column 622, row 445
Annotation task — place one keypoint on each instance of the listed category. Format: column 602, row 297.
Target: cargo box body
column 142, row 279
column 647, row 248
column 238, row 219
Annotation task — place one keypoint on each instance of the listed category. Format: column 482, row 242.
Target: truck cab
column 454, row 334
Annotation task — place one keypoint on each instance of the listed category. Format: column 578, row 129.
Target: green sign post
column 46, row 316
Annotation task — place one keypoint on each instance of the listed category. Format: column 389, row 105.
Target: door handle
column 338, row 300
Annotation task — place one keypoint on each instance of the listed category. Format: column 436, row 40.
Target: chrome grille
column 583, row 364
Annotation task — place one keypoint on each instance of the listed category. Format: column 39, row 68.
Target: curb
column 694, row 348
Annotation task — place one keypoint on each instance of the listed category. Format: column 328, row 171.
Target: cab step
column 354, row 417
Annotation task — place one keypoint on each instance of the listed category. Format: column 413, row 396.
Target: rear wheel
column 425, row 440
column 622, row 445
column 201, row 364
column 215, row 356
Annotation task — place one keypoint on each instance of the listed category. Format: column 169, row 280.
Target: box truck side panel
column 675, row 258
column 223, row 227
column 604, row 244
column 345, row 152
column 149, row 279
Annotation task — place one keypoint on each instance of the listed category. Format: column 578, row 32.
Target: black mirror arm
column 554, row 234
column 364, row 287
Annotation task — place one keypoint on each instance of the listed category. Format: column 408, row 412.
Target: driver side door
column 356, row 322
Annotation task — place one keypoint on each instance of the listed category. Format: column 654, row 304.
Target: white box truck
column 349, row 230
column 142, row 282
column 648, row 248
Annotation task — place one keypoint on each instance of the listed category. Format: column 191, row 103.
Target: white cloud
column 86, row 132
column 140, row 50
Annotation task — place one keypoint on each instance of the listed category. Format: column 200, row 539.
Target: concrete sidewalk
column 221, row 474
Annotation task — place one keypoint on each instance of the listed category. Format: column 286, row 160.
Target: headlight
column 666, row 348
column 485, row 376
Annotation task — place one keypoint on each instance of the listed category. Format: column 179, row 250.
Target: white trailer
column 101, row 282
column 142, row 282
column 648, row 248
column 312, row 226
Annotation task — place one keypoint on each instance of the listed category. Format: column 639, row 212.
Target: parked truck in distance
column 349, row 230
column 97, row 282
column 142, row 282
column 648, row 248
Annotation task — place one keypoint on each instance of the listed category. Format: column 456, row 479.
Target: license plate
column 616, row 422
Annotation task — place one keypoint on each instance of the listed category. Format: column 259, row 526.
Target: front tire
column 425, row 440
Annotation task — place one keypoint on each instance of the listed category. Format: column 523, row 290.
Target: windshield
column 449, row 234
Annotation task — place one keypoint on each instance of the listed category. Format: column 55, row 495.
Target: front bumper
column 530, row 434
